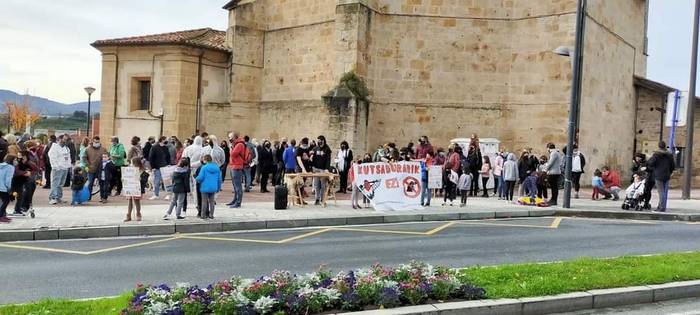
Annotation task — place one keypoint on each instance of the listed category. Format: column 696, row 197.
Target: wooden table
column 327, row 178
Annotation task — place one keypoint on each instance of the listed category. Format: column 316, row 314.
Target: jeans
column 157, row 181
column 425, row 194
column 554, row 185
column 501, row 186
column 319, row 184
column 509, row 190
column 105, row 187
column 74, row 198
column 613, row 192
column 576, row 181
column 237, row 179
column 248, row 178
column 208, row 204
column 178, row 202
column 662, row 189
column 24, row 200
column 5, row 197
column 91, row 182
column 58, row 177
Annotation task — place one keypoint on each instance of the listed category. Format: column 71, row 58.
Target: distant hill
column 46, row 106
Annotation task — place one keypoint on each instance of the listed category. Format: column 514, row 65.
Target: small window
column 144, row 94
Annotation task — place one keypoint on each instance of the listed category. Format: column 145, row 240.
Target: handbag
column 84, row 194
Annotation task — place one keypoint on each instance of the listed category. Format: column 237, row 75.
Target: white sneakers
column 53, row 201
column 154, row 197
column 167, row 197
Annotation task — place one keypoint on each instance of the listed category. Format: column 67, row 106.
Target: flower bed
column 285, row 293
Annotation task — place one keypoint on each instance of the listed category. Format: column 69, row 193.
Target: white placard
column 131, row 181
column 166, row 173
column 681, row 110
column 390, row 186
column 435, row 177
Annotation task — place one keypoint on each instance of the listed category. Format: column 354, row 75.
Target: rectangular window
column 144, row 94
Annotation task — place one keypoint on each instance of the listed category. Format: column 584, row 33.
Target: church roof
column 231, row 4
column 201, row 38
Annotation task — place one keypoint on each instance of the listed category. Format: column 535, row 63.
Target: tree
column 19, row 116
column 79, row 114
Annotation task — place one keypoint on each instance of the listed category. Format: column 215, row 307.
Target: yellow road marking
column 209, row 238
column 620, row 221
column 505, row 224
column 298, row 237
column 100, row 251
column 555, row 223
column 46, row 249
column 379, row 231
column 440, row 228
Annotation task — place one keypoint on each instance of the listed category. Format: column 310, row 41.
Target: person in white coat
column 59, row 157
column 194, row 153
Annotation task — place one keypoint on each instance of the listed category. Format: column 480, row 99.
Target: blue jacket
column 210, row 178
column 6, row 173
column 290, row 158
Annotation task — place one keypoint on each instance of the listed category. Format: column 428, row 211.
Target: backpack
column 248, row 156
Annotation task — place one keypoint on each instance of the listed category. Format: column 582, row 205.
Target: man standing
column 159, row 157
column 248, row 167
column 289, row 158
column 93, row 160
column 147, row 147
column 553, row 169
column 423, row 148
column 59, row 157
column 662, row 166
column 320, row 163
column 237, row 163
column 118, row 155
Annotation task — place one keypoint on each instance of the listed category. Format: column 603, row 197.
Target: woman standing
column 343, row 164
column 485, row 175
column 475, row 164
column 498, row 174
column 523, row 171
column 81, row 152
column 578, row 162
column 227, row 151
column 510, row 176
column 135, row 151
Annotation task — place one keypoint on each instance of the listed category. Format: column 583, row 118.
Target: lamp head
column 89, row 90
column 564, row 51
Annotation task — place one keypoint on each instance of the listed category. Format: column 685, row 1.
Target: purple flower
column 389, row 297
column 164, row 287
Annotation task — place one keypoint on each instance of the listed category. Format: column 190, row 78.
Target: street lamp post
column 688, row 163
column 577, row 55
column 89, row 91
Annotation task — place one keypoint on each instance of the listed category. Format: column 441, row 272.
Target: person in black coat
column 227, row 153
column 47, row 164
column 344, row 162
column 265, row 164
column 181, row 187
column 475, row 163
column 159, row 157
column 105, row 174
column 662, row 165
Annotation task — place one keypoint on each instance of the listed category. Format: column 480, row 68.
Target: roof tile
column 203, row 38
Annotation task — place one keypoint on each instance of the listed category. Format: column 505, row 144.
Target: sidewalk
column 257, row 213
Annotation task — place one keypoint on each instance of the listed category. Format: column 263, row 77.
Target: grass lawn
column 505, row 281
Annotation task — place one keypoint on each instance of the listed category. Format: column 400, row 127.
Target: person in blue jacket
column 210, row 183
column 289, row 157
column 7, row 171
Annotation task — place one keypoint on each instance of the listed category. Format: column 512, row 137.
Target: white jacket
column 194, row 153
column 59, row 157
column 218, row 155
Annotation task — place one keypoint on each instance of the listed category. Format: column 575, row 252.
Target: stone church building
column 441, row 68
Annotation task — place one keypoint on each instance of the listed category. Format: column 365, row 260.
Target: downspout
column 198, row 102
column 150, row 99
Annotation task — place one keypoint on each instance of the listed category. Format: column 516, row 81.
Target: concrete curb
column 229, row 226
column 570, row 302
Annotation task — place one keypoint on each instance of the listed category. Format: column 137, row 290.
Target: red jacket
column 611, row 179
column 237, row 160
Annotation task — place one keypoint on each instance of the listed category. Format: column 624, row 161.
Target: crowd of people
column 203, row 162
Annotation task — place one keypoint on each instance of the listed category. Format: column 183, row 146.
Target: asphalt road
column 103, row 267
column 678, row 307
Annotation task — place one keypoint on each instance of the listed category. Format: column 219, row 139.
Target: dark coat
column 109, row 170
column 662, row 164
column 3, row 148
column 159, row 156
column 265, row 159
column 78, row 181
column 181, row 181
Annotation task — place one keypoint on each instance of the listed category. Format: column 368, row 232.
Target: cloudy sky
column 45, row 44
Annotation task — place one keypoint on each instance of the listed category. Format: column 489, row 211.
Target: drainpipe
column 198, row 102
column 150, row 99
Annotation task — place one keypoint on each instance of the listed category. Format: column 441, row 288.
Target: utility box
column 488, row 146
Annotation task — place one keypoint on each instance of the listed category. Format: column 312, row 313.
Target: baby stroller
column 634, row 197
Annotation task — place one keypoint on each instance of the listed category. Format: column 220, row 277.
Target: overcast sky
column 45, row 44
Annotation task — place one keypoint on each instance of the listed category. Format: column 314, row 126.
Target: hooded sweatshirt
column 210, row 178
column 510, row 168
column 217, row 154
column 194, row 153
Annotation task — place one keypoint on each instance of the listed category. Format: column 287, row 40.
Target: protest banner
column 435, row 177
column 166, row 174
column 390, row 186
column 131, row 181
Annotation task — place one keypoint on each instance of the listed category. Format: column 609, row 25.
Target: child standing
column 107, row 169
column 135, row 201
column 425, row 195
column 210, row 183
column 464, row 184
column 597, row 183
column 7, row 171
column 181, row 187
column 77, row 185
column 485, row 175
column 510, row 176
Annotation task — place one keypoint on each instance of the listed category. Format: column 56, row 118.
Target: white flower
column 264, row 304
column 242, row 300
column 182, row 285
column 330, row 294
column 362, row 273
column 389, row 284
column 156, row 308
